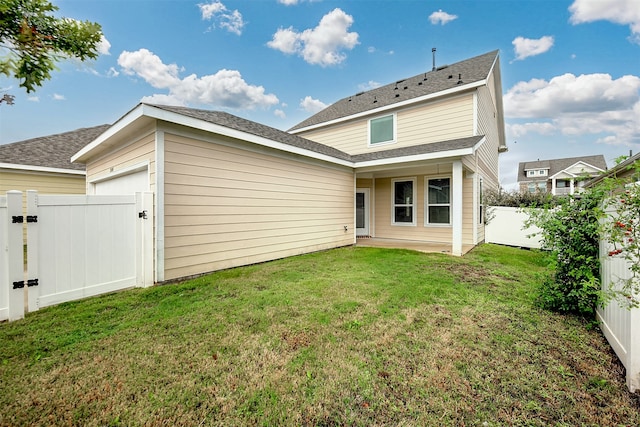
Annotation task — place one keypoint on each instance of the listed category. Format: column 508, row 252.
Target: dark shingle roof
column 434, row 147
column 557, row 165
column 448, row 77
column 248, row 126
column 52, row 151
column 244, row 125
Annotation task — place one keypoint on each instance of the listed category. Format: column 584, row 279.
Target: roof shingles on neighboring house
column 557, row 165
column 444, row 78
column 52, row 151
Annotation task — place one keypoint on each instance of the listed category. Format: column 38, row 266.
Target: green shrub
column 571, row 231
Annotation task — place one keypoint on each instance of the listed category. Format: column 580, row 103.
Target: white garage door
column 123, row 184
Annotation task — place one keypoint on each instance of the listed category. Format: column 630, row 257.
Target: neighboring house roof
column 555, row 166
column 52, row 151
column 237, row 127
column 446, row 78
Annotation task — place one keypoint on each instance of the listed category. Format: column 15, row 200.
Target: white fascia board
column 401, row 104
column 564, row 174
column 418, row 157
column 194, row 123
column 40, row 169
column 122, row 123
column 421, row 157
column 171, row 117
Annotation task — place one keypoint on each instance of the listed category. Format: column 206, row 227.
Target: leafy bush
column 571, row 231
column 517, row 199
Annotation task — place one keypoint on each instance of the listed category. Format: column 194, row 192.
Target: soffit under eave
column 442, row 166
column 125, row 136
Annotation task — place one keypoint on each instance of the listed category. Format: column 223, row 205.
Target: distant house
column 44, row 163
column 559, row 176
column 405, row 161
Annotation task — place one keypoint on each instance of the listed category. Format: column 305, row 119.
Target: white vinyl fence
column 620, row 325
column 77, row 246
column 506, row 227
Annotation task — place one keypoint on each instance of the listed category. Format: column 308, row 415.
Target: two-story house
column 424, row 148
column 559, row 176
column 405, row 161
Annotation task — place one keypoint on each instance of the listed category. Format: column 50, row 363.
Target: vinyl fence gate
column 77, row 246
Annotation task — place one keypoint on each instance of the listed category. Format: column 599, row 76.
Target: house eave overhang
column 144, row 111
column 368, row 165
column 29, row 168
column 397, row 105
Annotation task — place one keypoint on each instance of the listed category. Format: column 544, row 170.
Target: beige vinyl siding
column 227, row 206
column 436, row 121
column 139, row 151
column 43, row 182
column 488, row 126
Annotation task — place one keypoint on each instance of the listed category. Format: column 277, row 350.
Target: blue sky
column 570, row 69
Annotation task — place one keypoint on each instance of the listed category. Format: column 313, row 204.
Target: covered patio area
column 427, row 247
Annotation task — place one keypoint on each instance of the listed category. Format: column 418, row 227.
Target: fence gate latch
column 17, row 219
column 32, row 218
column 32, row 282
column 18, row 285
column 142, row 214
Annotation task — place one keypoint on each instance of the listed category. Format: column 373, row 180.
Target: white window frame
column 378, row 144
column 531, row 173
column 412, row 205
column 427, row 204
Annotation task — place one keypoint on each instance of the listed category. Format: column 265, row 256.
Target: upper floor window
column 382, row 130
column 531, row 173
column 542, row 172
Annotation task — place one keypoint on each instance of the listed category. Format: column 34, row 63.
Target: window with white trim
column 382, row 130
column 438, row 201
column 403, row 201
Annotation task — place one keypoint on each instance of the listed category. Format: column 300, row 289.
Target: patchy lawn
column 353, row 336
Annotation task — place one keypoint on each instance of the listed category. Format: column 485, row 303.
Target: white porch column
column 553, row 186
column 456, row 204
column 571, row 185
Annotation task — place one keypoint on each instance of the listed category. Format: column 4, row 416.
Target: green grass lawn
column 353, row 336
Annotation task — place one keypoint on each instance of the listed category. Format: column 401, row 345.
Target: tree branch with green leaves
column 33, row 40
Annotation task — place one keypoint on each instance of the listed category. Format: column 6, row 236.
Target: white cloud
column 311, row 105
column 280, row 113
column 519, row 130
column 58, row 97
column 104, row 46
column 441, row 17
column 226, row 88
column 624, row 12
column 321, row 45
column 369, row 85
column 293, row 2
column 591, row 104
column 525, row 48
column 33, row 99
column 113, row 72
column 217, row 12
